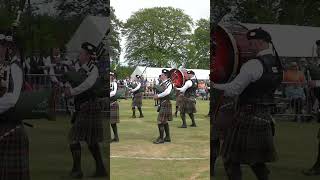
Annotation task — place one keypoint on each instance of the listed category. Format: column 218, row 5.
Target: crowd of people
column 149, row 87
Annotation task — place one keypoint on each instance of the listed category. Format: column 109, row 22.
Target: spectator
column 202, row 90
column 294, row 90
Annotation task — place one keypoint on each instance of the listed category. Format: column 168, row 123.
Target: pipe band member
column 88, row 125
column 14, row 143
column 315, row 169
column 137, row 97
column 165, row 110
column 188, row 103
column 114, row 107
column 250, row 140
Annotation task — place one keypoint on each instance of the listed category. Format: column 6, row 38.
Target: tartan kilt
column 188, row 105
column 250, row 140
column 14, row 154
column 114, row 112
column 137, row 100
column 223, row 122
column 88, row 126
column 179, row 99
column 165, row 113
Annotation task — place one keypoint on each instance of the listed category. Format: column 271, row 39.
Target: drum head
column 223, row 58
column 177, row 77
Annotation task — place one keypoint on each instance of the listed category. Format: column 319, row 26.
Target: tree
column 258, row 11
column 115, row 32
column 82, row 8
column 198, row 49
column 306, row 12
column 157, row 36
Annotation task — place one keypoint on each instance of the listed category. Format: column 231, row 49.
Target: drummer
column 315, row 169
column 188, row 104
column 250, row 140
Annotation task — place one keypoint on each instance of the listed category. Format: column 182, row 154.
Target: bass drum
column 178, row 77
column 230, row 51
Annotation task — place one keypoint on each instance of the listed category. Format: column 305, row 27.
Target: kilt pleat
column 114, row 113
column 250, row 140
column 88, row 126
column 223, row 122
column 165, row 113
column 137, row 100
column 179, row 99
column 188, row 105
column 14, row 154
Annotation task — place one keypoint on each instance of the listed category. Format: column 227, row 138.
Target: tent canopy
column 290, row 40
column 92, row 30
column 151, row 73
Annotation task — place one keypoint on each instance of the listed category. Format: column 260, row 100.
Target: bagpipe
column 120, row 94
column 32, row 104
column 158, row 88
column 98, row 90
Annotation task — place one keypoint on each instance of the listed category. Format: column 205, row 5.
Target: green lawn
column 136, row 136
column 136, row 157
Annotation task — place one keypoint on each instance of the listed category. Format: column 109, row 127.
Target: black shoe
column 158, row 141
column 183, row 126
column 115, row 140
column 141, row 116
column 193, row 125
column 311, row 172
column 133, row 116
column 167, row 139
column 99, row 173
column 76, row 174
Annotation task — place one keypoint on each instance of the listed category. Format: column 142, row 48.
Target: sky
column 197, row 9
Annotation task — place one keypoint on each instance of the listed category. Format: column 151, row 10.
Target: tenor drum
column 178, row 77
column 232, row 49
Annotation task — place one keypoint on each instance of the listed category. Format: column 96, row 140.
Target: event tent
column 151, row 73
column 291, row 41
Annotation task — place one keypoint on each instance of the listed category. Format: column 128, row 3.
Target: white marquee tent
column 151, row 73
column 291, row 41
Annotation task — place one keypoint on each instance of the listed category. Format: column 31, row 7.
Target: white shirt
column 92, row 73
column 250, row 72
column 115, row 88
column 167, row 91
column 9, row 99
column 186, row 85
column 137, row 88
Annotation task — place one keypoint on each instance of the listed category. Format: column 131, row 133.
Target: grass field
column 136, row 157
column 136, row 136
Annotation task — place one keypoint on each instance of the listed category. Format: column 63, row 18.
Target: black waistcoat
column 262, row 90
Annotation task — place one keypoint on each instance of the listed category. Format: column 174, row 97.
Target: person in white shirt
column 315, row 169
column 137, row 97
column 114, row 107
column 88, row 126
column 165, row 108
column 188, row 104
column 250, row 139
column 14, row 143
